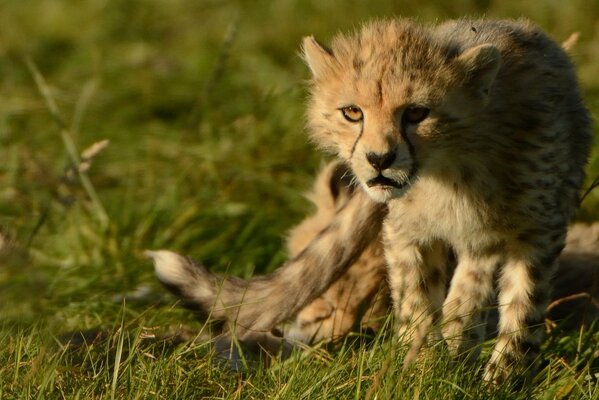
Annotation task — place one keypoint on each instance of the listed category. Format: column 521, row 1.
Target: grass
column 202, row 102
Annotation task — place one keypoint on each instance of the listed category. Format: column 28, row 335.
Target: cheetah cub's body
column 469, row 136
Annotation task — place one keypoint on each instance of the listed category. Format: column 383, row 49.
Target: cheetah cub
column 470, row 137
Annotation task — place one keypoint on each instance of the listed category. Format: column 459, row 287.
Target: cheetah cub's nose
column 381, row 162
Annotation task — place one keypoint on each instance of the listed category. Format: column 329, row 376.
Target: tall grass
column 203, row 105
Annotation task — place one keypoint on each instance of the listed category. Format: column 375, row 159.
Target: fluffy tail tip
column 168, row 266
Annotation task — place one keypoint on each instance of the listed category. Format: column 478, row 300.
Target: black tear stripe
column 353, row 148
column 404, row 135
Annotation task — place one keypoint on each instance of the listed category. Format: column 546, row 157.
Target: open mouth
column 381, row 180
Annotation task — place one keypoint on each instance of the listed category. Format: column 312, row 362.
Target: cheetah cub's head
column 397, row 102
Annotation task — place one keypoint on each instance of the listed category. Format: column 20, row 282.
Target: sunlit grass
column 203, row 105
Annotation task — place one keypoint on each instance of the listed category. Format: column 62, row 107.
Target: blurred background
column 202, row 103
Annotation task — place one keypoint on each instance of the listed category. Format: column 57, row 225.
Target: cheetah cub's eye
column 415, row 115
column 352, row 113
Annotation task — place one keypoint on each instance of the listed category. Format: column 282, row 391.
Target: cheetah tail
column 260, row 303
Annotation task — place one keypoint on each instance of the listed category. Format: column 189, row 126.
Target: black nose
column 381, row 161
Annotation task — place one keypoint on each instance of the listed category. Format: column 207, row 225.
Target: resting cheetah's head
column 393, row 99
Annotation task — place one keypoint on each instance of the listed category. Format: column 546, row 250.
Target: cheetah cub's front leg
column 470, row 289
column 524, row 292
column 417, row 275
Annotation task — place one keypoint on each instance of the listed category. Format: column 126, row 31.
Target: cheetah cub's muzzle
column 383, row 156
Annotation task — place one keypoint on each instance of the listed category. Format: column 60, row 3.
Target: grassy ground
column 202, row 102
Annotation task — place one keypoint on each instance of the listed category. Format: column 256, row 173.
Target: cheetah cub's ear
column 481, row 64
column 319, row 59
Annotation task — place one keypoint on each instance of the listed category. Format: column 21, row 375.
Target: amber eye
column 352, row 113
column 415, row 115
